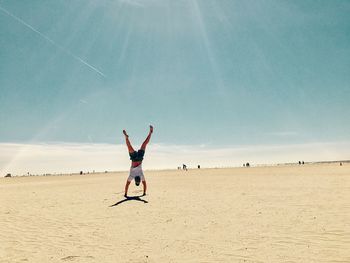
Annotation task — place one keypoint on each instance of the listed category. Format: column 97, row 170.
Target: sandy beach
column 256, row 214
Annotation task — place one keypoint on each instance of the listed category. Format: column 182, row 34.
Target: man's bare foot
column 125, row 195
column 144, row 194
column 150, row 128
column 124, row 132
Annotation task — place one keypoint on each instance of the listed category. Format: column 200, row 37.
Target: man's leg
column 130, row 149
column 144, row 144
column 144, row 187
column 126, row 188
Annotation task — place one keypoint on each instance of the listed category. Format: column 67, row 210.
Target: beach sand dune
column 257, row 214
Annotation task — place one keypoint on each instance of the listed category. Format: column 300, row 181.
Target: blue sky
column 215, row 73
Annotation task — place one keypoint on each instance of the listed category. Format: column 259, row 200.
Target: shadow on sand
column 129, row 198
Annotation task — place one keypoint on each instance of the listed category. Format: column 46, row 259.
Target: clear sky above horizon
column 202, row 72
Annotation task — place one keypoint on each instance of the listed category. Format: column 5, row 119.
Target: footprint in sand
column 71, row 258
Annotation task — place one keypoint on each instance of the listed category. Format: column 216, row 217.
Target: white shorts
column 136, row 171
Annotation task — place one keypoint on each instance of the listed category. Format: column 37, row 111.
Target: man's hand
column 150, row 129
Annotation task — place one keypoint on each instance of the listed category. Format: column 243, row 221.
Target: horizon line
column 67, row 157
column 257, row 165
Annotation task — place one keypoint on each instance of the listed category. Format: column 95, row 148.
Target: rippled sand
column 267, row 214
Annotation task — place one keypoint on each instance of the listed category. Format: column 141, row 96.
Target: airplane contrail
column 51, row 41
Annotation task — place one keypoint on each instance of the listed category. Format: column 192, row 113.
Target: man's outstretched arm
column 143, row 146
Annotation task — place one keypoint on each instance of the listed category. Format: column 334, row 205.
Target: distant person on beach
column 136, row 158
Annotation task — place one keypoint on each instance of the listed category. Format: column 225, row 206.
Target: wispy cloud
column 51, row 41
column 137, row 3
column 283, row 133
column 69, row 157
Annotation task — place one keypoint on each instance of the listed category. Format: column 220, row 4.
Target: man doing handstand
column 136, row 158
